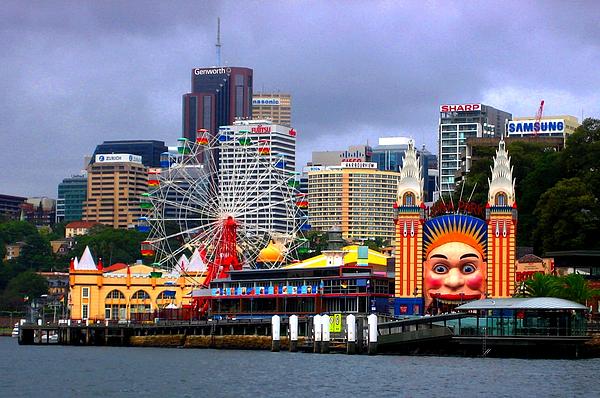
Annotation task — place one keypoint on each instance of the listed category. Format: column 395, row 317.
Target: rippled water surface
column 57, row 371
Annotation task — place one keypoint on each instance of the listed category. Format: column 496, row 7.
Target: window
column 84, row 311
column 140, row 295
column 500, row 199
column 85, row 292
column 206, row 112
column 115, row 295
column 409, row 199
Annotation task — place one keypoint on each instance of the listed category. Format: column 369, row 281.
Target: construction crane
column 538, row 119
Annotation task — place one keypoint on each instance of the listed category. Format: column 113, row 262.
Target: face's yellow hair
column 455, row 228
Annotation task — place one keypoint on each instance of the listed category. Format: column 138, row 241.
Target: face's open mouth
column 454, row 298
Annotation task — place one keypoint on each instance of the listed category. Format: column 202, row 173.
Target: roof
column 530, row 258
column 86, row 262
column 81, row 224
column 574, row 253
column 529, row 303
column 375, row 258
column 115, row 267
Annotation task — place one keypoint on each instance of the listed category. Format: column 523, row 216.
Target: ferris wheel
column 229, row 200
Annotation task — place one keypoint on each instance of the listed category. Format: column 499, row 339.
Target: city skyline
column 78, row 74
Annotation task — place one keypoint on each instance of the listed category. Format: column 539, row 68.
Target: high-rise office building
column 149, row 150
column 72, row 192
column 457, row 123
column 276, row 148
column 356, row 197
column 389, row 152
column 219, row 96
column 115, row 185
column 276, row 107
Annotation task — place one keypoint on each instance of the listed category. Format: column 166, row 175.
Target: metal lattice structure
column 226, row 196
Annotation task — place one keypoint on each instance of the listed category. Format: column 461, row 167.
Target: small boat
column 15, row 331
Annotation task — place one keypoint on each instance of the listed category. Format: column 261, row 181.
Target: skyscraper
column 356, row 197
column 457, row 123
column 115, row 184
column 276, row 107
column 218, row 97
column 72, row 192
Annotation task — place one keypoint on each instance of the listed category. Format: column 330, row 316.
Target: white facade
column 262, row 175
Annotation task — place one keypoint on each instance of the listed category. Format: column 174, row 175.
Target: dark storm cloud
column 74, row 74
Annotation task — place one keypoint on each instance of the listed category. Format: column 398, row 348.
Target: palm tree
column 574, row 287
column 541, row 285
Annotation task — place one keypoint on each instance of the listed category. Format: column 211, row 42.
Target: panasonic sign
column 266, row 101
column 523, row 127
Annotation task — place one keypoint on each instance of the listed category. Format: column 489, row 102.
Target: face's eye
column 440, row 269
column 468, row 268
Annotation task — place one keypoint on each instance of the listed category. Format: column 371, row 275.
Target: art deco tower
column 409, row 218
column 501, row 215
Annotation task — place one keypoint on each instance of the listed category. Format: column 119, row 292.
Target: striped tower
column 409, row 218
column 501, row 216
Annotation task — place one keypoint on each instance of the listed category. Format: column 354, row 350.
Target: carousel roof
column 320, row 261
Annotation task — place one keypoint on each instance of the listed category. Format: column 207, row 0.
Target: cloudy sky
column 73, row 74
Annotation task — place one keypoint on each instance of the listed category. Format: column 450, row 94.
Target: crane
column 538, row 119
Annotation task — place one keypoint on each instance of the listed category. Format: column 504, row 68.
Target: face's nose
column 454, row 279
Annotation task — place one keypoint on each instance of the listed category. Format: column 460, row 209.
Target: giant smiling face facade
column 454, row 269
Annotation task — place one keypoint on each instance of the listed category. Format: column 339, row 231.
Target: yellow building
column 115, row 184
column 356, row 197
column 126, row 292
column 276, row 107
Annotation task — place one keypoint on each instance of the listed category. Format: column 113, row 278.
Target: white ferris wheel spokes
column 211, row 180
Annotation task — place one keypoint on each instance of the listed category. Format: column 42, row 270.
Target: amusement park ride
column 223, row 198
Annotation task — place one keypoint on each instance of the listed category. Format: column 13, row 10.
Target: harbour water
column 71, row 371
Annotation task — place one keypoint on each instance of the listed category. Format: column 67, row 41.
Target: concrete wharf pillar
column 275, row 333
column 325, row 334
column 350, row 334
column 317, row 328
column 293, row 333
column 372, row 321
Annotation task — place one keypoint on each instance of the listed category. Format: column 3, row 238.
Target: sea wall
column 237, row 342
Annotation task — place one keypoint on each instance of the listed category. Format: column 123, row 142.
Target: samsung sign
column 550, row 126
column 266, row 101
column 118, row 157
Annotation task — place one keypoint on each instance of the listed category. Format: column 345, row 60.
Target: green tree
column 14, row 231
column 567, row 217
column 112, row 245
column 581, row 156
column 37, row 253
column 26, row 284
column 317, row 242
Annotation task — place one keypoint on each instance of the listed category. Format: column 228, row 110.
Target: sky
column 74, row 74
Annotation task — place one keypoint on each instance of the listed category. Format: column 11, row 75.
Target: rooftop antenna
column 218, row 45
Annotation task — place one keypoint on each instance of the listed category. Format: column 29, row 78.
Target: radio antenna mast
column 218, row 45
